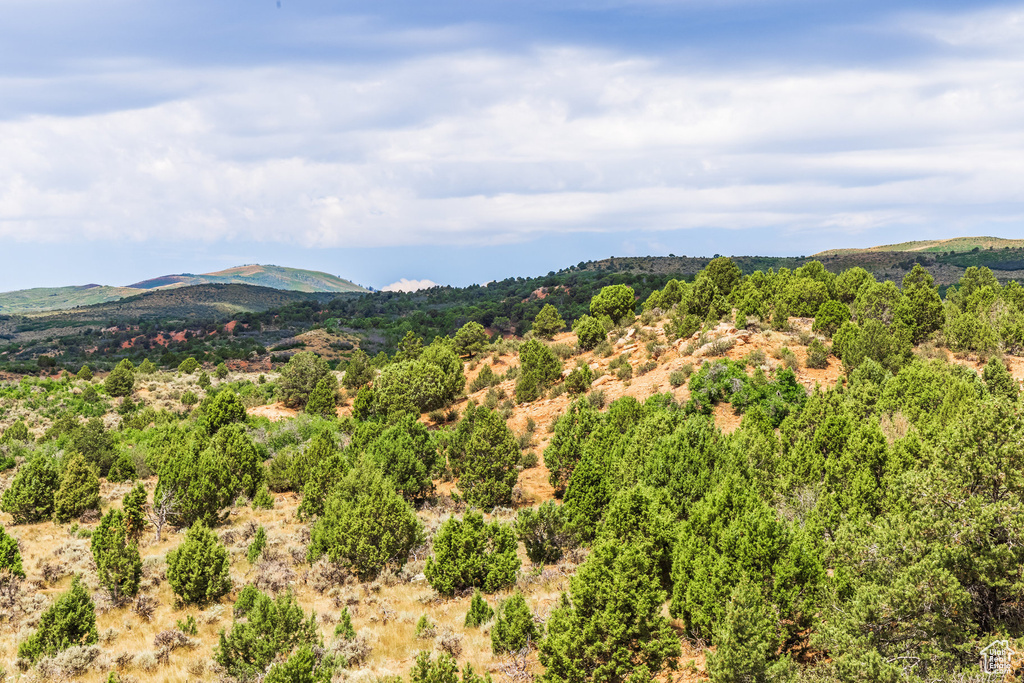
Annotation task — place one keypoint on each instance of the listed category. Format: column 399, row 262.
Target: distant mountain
column 275, row 277
column 43, row 299
column 954, row 244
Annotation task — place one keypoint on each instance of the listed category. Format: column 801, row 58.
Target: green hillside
column 59, row 298
column 955, row 244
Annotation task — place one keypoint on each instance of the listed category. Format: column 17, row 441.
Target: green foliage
column 10, row 556
column 747, row 639
column 94, row 442
column 78, row 491
column 830, row 317
column 479, row 611
column 272, row 628
column 444, row 670
column 147, row 367
column 578, row 381
column 323, row 400
column 300, row 376
column 344, row 629
column 358, row 371
column 406, row 453
column 817, row 354
column 566, row 446
column 545, row 532
column 483, row 454
column 514, row 629
column 71, row 620
column 30, row 496
column 420, row 385
column 204, row 381
column 198, row 569
column 221, row 371
column 121, row 380
column 538, row 367
column 424, row 627
column 471, row 339
column 264, row 499
column 471, row 554
column 615, row 301
column 548, row 322
column 366, row 525
column 189, row 398
column 134, row 508
column 123, row 469
column 305, row 666
column 611, row 628
column 188, row 366
column 589, row 332
column 189, row 626
column 258, row 545
column 225, row 408
column 16, row 432
column 85, row 374
column 118, row 564
column 998, row 379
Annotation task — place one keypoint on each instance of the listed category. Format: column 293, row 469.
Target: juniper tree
column 514, row 628
column 469, row 553
column 484, row 454
column 589, row 332
column 117, row 559
column 197, row 570
column 10, row 556
column 30, row 496
column 79, row 490
column 323, row 400
column 71, row 620
column 479, row 611
column 134, row 507
column 548, row 322
column 121, row 380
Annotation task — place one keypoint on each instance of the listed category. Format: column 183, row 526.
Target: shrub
column 746, row 640
column 71, row 620
column 471, row 554
column 123, row 468
column 264, row 499
column 258, row 545
column 121, row 380
column 545, row 532
column 817, row 354
column 406, row 453
column 323, row 400
column 307, row 665
column 30, row 496
column 538, row 367
column 471, row 339
column 589, row 332
column 204, row 380
column 483, row 453
column 10, row 556
column 358, row 371
column 188, row 366
column 225, row 408
column 548, row 322
column 118, row 564
column 189, row 398
column 444, row 670
column 479, row 611
column 134, row 508
column 578, row 381
column 79, row 490
column 565, row 448
column 85, row 373
column 830, row 317
column 998, row 379
column 514, row 628
column 424, row 627
column 366, row 525
column 300, row 376
column 272, row 627
column 344, row 629
column 615, row 301
column 198, row 569
column 16, row 432
column 221, row 371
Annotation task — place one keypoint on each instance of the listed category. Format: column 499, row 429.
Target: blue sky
column 466, row 141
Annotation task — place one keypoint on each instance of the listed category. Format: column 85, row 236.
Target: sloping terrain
column 59, row 298
column 276, row 277
column 954, row 244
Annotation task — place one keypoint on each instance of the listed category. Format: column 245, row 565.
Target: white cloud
column 488, row 148
column 404, row 285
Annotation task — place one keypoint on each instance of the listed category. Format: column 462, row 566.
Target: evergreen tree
column 123, row 468
column 470, row 339
column 344, row 629
column 615, row 301
column 471, row 554
column 117, row 559
column 998, row 379
column 365, row 525
column 188, row 366
column 147, row 367
column 264, row 499
column 589, row 332
column 204, row 380
column 305, row 666
column 225, row 408
column 85, row 374
column 358, row 371
column 484, row 454
column 323, row 400
column 300, row 376
column 79, row 490
column 121, row 380
column 514, row 629
column 258, row 545
column 538, row 367
column 10, row 556
column 406, row 453
column 71, row 620
column 746, row 640
column 479, row 611
column 545, row 532
column 134, row 508
column 548, row 322
column 611, row 628
column 221, row 371
column 30, row 496
column 16, row 432
column 197, row 570
column 566, row 446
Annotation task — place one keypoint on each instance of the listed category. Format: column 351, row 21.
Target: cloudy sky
column 463, row 141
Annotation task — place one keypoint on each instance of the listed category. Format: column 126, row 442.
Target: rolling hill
column 955, row 245
column 44, row 299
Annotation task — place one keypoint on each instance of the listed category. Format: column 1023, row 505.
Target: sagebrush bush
column 514, row 628
column 471, row 554
column 198, row 569
column 71, row 620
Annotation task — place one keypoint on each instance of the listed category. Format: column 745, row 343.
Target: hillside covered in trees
column 778, row 475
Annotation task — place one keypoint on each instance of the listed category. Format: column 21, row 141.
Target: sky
column 459, row 142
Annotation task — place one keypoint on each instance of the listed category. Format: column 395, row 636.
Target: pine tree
column 479, row 611
column 147, row 367
column 79, row 490
column 998, row 379
column 121, row 380
column 85, row 374
column 117, row 558
column 484, row 454
column 71, row 620
column 197, row 570
column 344, row 629
column 188, row 366
column 548, row 322
column 264, row 499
